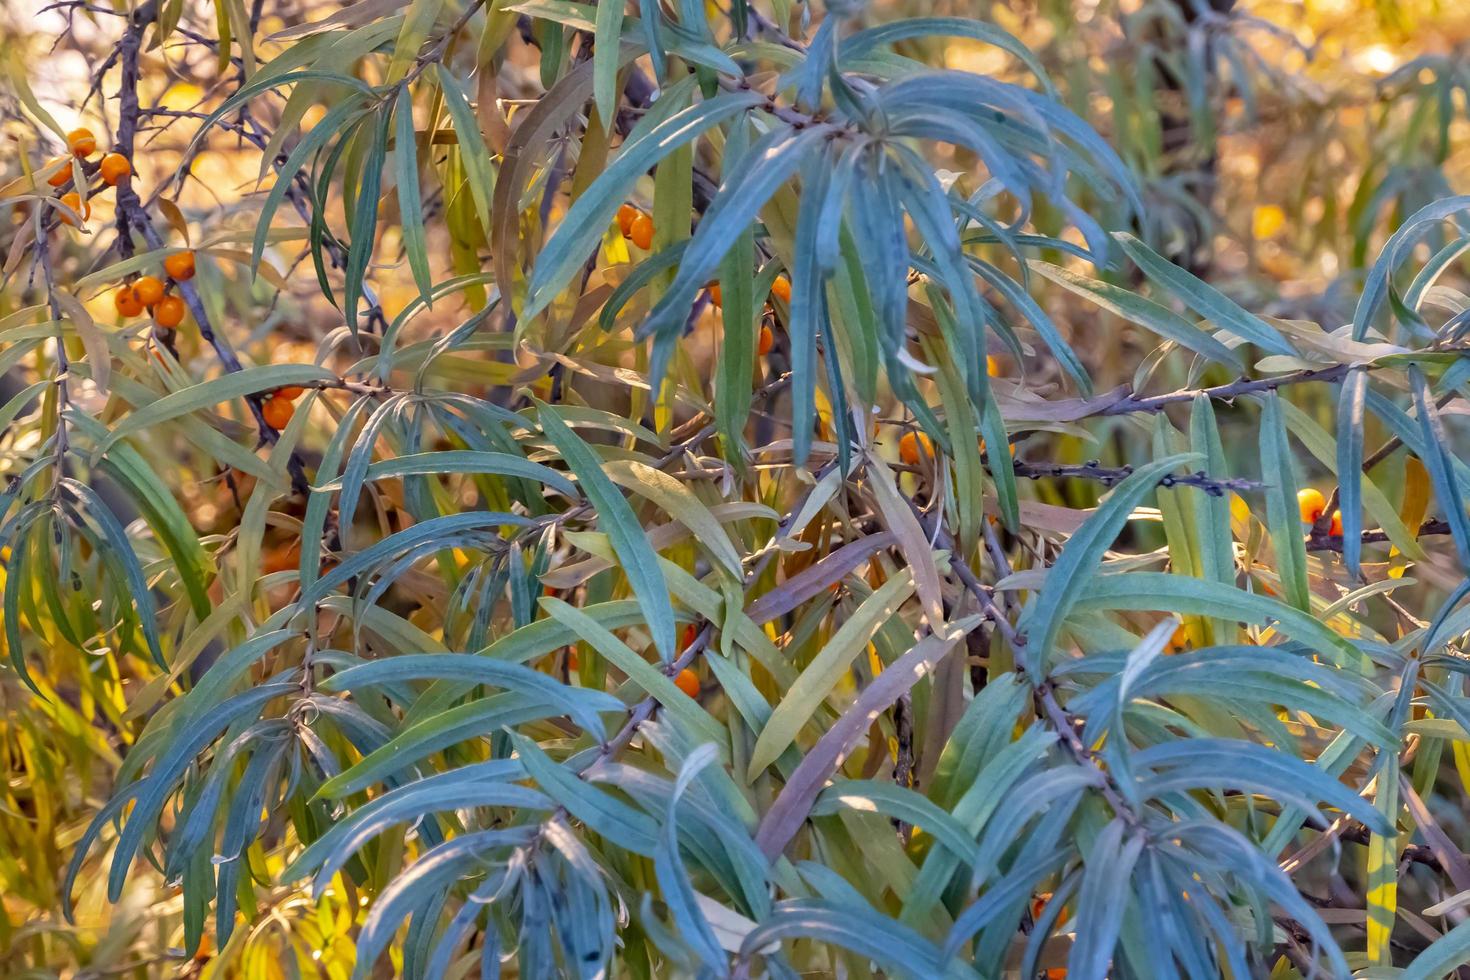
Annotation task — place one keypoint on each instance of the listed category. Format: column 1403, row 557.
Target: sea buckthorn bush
column 759, row 488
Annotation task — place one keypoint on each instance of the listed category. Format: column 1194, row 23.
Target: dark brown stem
column 131, row 216
column 1109, row 475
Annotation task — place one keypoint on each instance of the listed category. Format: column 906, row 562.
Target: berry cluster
column 112, row 168
column 636, row 226
column 279, row 406
column 148, row 292
column 145, row 292
column 1313, row 505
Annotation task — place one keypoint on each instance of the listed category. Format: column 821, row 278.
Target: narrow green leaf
column 410, row 201
column 617, row 520
column 1282, row 512
column 1042, row 618
column 1205, row 299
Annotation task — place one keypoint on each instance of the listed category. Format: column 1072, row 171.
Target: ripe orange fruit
column 127, row 302
column 1311, row 504
column 688, row 682
column 715, row 296
column 114, row 168
column 180, row 265
column 781, row 288
column 60, row 177
column 912, row 444
column 168, row 312
column 81, row 142
column 1012, row 445
column 626, row 216
column 289, row 392
column 1178, row 640
column 73, row 200
column 641, row 231
column 992, row 366
column 1336, row 523
column 691, row 633
column 766, row 342
column 148, row 289
column 277, row 412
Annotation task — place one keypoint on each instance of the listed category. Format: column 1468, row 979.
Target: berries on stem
column 114, row 168
column 74, row 201
column 641, row 231
column 1311, row 504
column 626, row 215
column 81, row 142
column 148, row 289
column 913, row 445
column 688, row 682
column 127, row 302
column 180, row 266
column 766, row 342
column 277, row 412
column 168, row 313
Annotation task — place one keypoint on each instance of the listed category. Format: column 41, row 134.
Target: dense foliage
column 750, row 489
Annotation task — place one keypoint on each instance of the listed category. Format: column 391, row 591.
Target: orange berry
column 81, row 142
column 691, row 633
column 912, row 444
column 781, row 289
column 1337, row 523
column 127, row 302
column 1012, row 445
column 277, row 412
column 688, row 682
column 74, row 201
column 626, row 216
column 148, row 289
column 1311, row 504
column 114, row 168
column 180, row 266
column 1038, row 903
column 1178, row 640
column 1056, row 973
column 715, row 296
column 992, row 366
column 766, row 342
column 168, row 312
column 641, row 231
column 61, row 176
column 290, row 392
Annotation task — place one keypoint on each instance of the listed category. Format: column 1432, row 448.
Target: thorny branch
column 1110, row 475
column 131, row 215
